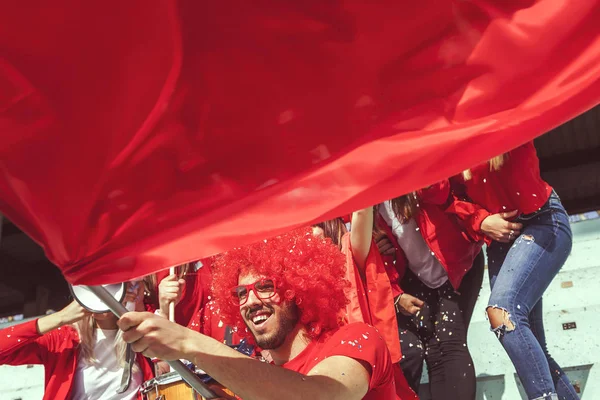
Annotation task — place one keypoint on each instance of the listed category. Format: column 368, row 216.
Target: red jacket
column 517, row 185
column 444, row 233
column 57, row 350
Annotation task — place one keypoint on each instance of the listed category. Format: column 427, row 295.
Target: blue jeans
column 520, row 272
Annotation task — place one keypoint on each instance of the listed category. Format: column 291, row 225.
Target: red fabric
column 517, row 185
column 357, row 310
column 134, row 138
column 403, row 389
column 207, row 322
column 206, row 319
column 444, row 233
column 371, row 301
column 395, row 266
column 56, row 351
column 360, row 342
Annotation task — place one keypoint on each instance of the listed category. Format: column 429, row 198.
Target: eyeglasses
column 263, row 289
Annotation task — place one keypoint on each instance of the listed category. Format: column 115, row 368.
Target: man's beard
column 288, row 318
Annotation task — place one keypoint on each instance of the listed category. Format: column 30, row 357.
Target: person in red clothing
column 371, row 291
column 286, row 294
column 529, row 239
column 372, row 294
column 189, row 288
column 83, row 354
column 440, row 271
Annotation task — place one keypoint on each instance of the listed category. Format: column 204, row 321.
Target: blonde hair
column 495, row 165
column 86, row 327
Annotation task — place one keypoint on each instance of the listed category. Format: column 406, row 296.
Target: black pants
column 438, row 335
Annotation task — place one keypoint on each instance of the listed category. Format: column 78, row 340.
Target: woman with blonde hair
column 83, row 354
column 529, row 239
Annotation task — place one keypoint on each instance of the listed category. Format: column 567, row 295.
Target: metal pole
column 118, row 309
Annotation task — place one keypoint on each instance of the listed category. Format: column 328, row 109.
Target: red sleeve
column 470, row 215
column 357, row 309
column 438, row 193
column 363, row 343
column 22, row 344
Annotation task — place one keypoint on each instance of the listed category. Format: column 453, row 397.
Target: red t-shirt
column 360, row 342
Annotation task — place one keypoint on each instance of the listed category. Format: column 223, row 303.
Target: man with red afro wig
column 288, row 294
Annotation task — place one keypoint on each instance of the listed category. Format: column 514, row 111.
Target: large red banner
column 134, row 137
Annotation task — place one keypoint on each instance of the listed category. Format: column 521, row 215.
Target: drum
column 170, row 386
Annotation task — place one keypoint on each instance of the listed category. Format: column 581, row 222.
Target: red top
column 445, row 235
column 208, row 322
column 57, row 350
column 205, row 318
column 360, row 342
column 517, row 185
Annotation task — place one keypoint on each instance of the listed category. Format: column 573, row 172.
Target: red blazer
column 57, row 350
column 445, row 235
column 517, row 185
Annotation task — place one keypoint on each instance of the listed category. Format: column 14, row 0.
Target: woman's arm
column 479, row 223
column 67, row 316
column 28, row 343
column 361, row 236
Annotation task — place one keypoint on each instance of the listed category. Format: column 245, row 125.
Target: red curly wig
column 309, row 272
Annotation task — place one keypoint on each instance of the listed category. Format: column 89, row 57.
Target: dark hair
column 405, row 207
column 333, row 229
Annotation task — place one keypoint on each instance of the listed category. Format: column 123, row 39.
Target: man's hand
column 155, row 336
column 170, row 290
column 409, row 305
column 497, row 227
column 384, row 244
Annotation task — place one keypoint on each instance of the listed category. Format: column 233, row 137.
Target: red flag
column 133, row 138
